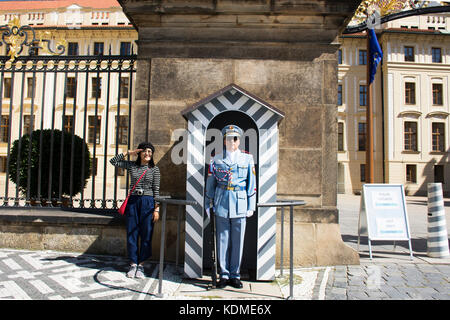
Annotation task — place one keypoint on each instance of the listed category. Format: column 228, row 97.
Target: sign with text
column 383, row 213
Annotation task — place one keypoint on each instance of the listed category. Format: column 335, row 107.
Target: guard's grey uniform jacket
column 231, row 186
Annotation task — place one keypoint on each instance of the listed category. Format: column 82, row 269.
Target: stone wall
column 305, row 91
column 281, row 52
column 69, row 231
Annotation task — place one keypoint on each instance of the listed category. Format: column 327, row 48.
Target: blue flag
column 375, row 54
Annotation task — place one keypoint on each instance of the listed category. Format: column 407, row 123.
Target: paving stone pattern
column 389, row 281
column 390, row 275
column 42, row 275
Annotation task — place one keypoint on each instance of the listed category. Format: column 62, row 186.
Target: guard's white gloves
column 249, row 213
column 207, row 212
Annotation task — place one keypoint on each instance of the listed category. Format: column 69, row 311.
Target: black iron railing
column 291, row 204
column 56, row 101
column 180, row 203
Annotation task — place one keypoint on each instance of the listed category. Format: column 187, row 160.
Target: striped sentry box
column 266, row 118
column 437, row 242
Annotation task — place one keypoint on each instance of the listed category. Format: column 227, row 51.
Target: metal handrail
column 291, row 204
column 164, row 201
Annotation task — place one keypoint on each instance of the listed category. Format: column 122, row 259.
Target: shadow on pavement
column 102, row 264
column 419, row 245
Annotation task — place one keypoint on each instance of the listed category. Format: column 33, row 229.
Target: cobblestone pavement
column 389, row 281
column 52, row 275
column 49, row 275
column 391, row 274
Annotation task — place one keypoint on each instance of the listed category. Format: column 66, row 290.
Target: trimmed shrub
column 79, row 145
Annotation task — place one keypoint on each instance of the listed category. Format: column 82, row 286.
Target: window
column 124, row 87
column 96, row 87
column 409, row 54
column 436, row 55
column 363, row 95
column 3, row 163
column 94, row 129
column 4, row 128
column 72, row 49
column 362, row 172
column 362, row 57
column 437, row 94
column 98, row 48
column 122, row 130
column 410, row 136
column 340, row 136
column 438, row 134
column 340, row 56
column 27, row 124
column 68, row 123
column 361, row 136
column 411, row 171
column 340, row 95
column 71, row 87
column 30, row 87
column 125, row 48
column 439, row 173
column 7, row 87
column 410, row 93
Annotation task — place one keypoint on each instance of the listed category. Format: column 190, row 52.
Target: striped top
column 149, row 182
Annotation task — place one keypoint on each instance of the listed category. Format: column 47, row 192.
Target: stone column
column 282, row 53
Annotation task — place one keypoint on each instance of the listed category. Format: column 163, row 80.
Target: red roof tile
column 54, row 4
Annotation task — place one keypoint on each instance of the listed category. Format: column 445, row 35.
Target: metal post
column 180, row 210
column 161, row 254
column 164, row 201
column 359, row 231
column 282, row 241
column 369, row 120
column 291, row 280
column 437, row 239
column 291, row 204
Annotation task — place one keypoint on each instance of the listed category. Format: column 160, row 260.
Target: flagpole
column 369, row 121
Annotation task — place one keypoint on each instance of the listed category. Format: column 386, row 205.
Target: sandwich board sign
column 383, row 215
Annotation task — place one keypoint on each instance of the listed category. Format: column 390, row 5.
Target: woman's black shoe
column 222, row 283
column 235, row 283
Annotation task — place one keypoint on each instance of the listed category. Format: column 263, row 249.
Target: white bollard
column 437, row 243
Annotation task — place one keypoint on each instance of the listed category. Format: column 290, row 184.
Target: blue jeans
column 139, row 217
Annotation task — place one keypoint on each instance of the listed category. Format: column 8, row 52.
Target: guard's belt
column 226, row 187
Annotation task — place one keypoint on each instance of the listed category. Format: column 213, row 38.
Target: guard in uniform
column 231, row 191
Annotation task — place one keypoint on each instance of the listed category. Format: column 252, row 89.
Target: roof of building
column 397, row 30
column 55, row 4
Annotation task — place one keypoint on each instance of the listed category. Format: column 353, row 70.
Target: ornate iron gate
column 55, row 101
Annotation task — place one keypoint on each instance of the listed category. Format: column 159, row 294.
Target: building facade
column 411, row 91
column 410, row 105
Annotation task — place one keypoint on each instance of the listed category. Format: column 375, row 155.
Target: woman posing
column 141, row 211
